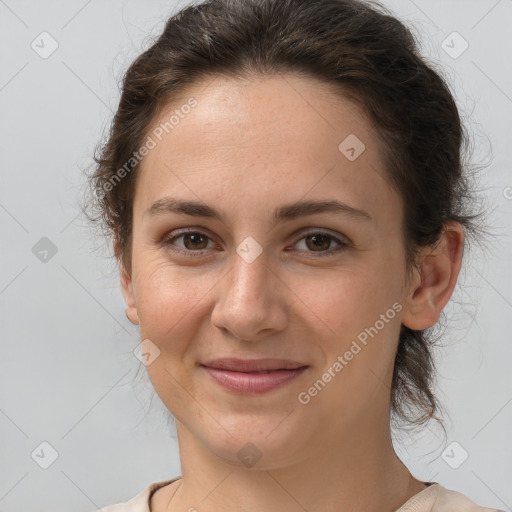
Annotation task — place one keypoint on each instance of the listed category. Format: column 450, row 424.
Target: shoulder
column 140, row 502
column 448, row 501
column 437, row 498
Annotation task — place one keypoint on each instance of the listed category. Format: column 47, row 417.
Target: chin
column 263, row 444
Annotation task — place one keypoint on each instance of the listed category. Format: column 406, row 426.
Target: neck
column 360, row 471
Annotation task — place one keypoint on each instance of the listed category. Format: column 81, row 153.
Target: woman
column 285, row 187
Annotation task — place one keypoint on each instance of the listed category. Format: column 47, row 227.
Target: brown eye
column 319, row 242
column 315, row 242
column 195, row 241
column 192, row 241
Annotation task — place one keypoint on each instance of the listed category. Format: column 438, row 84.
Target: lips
column 252, row 376
column 253, row 365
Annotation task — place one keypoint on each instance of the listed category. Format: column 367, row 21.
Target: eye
column 193, row 241
column 314, row 242
column 319, row 242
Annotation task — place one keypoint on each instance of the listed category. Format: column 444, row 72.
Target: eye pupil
column 194, row 237
column 322, row 238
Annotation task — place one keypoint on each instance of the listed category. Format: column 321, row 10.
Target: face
column 261, row 272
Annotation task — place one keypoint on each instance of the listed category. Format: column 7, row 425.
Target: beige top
column 434, row 498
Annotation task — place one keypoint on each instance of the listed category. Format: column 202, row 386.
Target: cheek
column 349, row 299
column 169, row 306
column 362, row 311
column 166, row 304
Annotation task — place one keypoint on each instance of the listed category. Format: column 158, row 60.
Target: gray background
column 68, row 376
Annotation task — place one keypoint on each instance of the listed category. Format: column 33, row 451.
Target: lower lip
column 242, row 382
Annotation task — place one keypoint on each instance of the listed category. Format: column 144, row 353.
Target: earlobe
column 127, row 290
column 129, row 298
column 435, row 279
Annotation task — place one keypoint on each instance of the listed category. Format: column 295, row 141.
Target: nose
column 251, row 300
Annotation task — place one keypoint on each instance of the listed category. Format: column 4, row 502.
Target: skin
column 249, row 147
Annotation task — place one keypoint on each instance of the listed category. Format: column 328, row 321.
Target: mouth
column 253, row 376
column 253, row 365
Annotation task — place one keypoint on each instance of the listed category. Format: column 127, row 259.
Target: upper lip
column 253, row 365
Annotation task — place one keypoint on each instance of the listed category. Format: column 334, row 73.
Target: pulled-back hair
column 373, row 59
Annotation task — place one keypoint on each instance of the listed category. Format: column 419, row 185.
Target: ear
column 127, row 289
column 434, row 279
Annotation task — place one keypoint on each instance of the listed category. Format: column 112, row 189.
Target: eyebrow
column 283, row 213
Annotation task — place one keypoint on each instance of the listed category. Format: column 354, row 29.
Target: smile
column 253, row 382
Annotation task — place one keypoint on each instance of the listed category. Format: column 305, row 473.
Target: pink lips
column 253, row 376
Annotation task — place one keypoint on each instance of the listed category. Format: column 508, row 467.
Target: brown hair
column 372, row 58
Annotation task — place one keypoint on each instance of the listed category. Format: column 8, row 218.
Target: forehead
column 261, row 139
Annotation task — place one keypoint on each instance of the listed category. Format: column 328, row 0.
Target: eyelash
column 188, row 252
